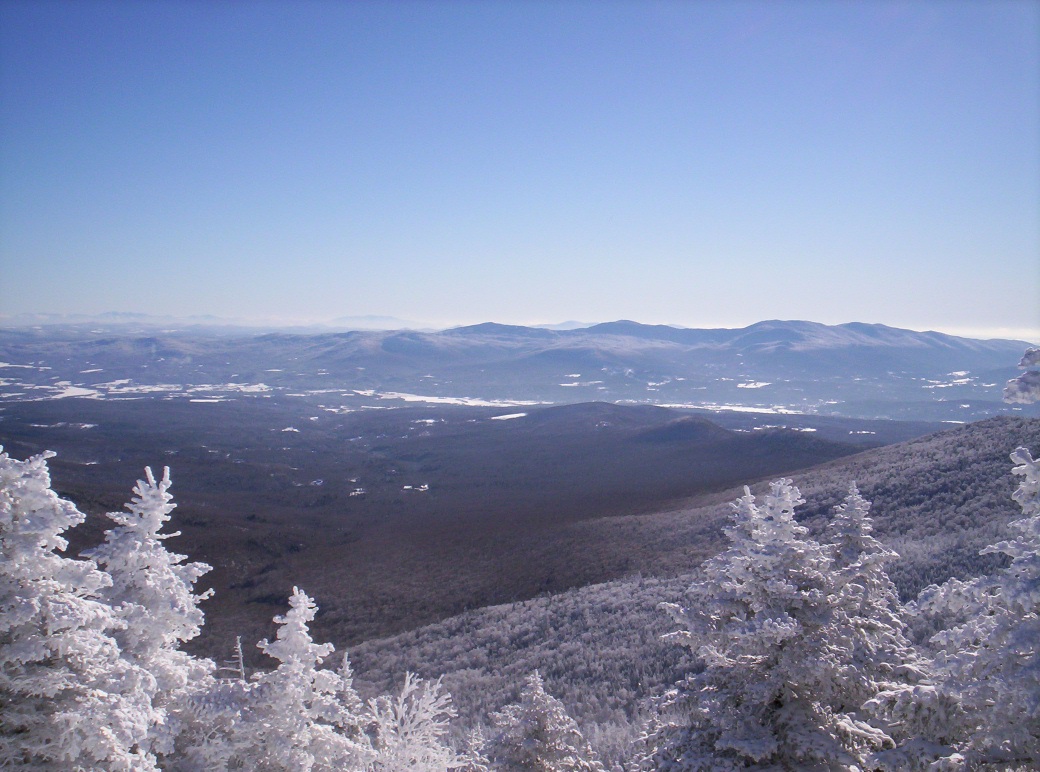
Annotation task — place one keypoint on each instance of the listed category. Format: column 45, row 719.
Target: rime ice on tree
column 775, row 621
column 1026, row 387
column 867, row 622
column 67, row 699
column 297, row 716
column 411, row 729
column 152, row 592
column 985, row 710
column 536, row 734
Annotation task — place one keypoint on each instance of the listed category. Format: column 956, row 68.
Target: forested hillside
column 787, row 649
column 403, row 517
column 937, row 501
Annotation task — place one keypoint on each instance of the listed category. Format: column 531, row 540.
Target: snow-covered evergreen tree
column 537, row 735
column 214, row 734
column 152, row 592
column 985, row 710
column 1026, row 387
column 67, row 698
column 296, row 717
column 773, row 622
column 410, row 730
column 868, row 629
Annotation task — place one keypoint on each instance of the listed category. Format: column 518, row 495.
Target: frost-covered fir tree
column 985, row 711
column 1026, row 387
column 410, row 730
column 214, row 735
column 766, row 623
column 537, row 735
column 296, row 717
column 867, row 630
column 67, row 698
column 152, row 592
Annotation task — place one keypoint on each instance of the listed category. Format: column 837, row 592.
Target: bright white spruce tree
column 788, row 632
column 410, row 730
column 212, row 736
column 152, row 593
column 983, row 711
column 67, row 698
column 537, row 735
column 868, row 621
column 296, row 717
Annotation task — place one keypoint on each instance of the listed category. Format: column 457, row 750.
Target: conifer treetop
column 293, row 642
column 536, row 734
column 68, row 700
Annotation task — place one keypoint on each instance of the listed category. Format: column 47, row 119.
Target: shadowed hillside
column 397, row 518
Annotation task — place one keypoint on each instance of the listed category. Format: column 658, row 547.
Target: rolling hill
column 861, row 370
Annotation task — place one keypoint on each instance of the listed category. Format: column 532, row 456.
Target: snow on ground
column 62, row 425
column 125, row 388
column 472, row 401
column 507, row 417
column 714, row 407
column 244, row 388
column 68, row 390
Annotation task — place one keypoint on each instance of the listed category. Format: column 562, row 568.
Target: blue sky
column 690, row 163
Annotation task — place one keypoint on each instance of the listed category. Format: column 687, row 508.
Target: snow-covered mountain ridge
column 860, row 370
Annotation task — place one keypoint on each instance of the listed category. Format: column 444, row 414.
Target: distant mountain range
column 864, row 370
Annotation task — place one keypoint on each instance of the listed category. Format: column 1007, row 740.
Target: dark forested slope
column 397, row 518
column 937, row 500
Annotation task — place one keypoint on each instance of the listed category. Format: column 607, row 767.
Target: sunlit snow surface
column 472, row 401
column 958, row 378
column 775, row 409
column 125, row 388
